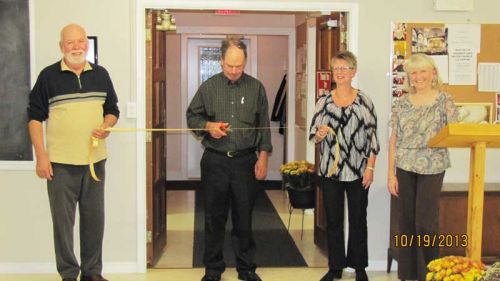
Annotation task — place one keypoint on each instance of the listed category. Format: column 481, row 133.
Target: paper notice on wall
column 464, row 35
column 442, row 66
column 464, row 42
column 462, row 66
column 489, row 77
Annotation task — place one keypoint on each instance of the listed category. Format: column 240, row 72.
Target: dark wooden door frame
column 156, row 95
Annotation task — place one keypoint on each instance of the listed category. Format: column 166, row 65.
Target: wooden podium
column 478, row 137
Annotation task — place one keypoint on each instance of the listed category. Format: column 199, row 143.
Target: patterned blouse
column 414, row 126
column 356, row 128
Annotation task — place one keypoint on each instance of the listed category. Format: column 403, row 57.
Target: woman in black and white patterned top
column 351, row 115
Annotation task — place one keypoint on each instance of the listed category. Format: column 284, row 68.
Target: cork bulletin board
column 404, row 43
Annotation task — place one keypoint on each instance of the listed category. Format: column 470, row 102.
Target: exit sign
column 227, row 12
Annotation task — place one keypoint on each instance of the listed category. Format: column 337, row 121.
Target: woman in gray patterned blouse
column 416, row 171
column 349, row 113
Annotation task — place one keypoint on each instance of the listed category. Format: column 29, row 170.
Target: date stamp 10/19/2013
column 431, row 240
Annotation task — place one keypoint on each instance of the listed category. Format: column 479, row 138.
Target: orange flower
column 454, row 268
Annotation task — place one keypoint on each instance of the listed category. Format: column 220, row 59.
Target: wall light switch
column 131, row 110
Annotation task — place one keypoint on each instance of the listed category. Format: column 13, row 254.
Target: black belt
column 232, row 154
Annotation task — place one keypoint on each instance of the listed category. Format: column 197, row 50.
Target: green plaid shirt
column 242, row 104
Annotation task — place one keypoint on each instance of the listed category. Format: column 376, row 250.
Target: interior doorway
column 141, row 5
column 186, row 54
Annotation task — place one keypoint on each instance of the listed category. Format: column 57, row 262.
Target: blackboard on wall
column 15, row 144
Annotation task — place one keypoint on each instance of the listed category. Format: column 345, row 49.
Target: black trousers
column 418, row 205
column 357, row 244
column 228, row 182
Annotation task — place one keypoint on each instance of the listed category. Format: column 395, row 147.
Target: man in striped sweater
column 77, row 101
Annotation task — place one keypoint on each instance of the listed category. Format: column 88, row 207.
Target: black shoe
column 248, row 276
column 332, row 274
column 211, row 277
column 361, row 275
column 93, row 278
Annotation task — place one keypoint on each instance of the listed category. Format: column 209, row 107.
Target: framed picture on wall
column 92, row 52
column 475, row 113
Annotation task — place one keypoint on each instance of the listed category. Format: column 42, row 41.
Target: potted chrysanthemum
column 455, row 268
column 298, row 180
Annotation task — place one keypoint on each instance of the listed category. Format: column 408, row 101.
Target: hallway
column 180, row 223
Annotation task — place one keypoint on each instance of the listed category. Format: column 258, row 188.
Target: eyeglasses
column 342, row 68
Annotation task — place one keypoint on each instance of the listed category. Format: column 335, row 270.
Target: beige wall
column 272, row 65
column 245, row 19
column 25, row 237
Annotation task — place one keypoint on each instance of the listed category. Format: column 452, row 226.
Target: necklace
column 349, row 95
column 344, row 100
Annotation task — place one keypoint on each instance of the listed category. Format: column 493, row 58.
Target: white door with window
column 203, row 61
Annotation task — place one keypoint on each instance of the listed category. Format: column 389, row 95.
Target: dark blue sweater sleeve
column 38, row 108
column 111, row 104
